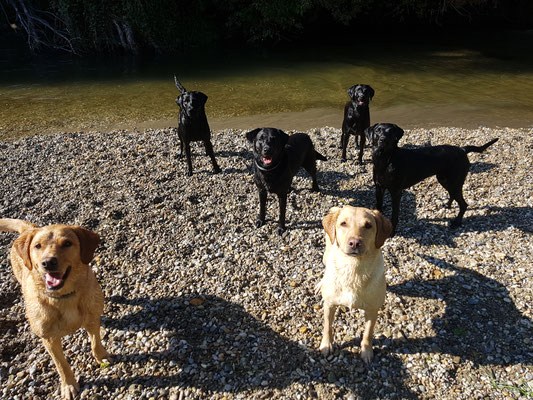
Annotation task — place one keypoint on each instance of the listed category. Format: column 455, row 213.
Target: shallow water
column 462, row 81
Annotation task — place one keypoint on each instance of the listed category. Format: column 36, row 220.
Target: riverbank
column 201, row 304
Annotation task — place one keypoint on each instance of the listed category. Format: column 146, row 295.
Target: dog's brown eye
column 38, row 246
column 67, row 243
column 368, row 225
column 343, row 223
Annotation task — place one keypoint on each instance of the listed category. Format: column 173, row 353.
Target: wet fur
column 79, row 303
column 355, row 274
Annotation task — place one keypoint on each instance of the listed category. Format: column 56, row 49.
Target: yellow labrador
column 355, row 273
column 61, row 293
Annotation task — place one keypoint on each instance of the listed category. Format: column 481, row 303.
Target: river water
column 462, row 80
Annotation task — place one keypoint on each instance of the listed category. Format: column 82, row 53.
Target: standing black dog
column 192, row 124
column 277, row 158
column 397, row 168
column 356, row 118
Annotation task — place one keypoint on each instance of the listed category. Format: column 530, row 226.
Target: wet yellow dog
column 355, row 273
column 61, row 293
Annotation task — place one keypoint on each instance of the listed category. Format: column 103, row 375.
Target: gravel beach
column 202, row 305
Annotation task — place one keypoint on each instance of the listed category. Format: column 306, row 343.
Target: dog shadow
column 479, row 167
column 218, row 346
column 480, row 323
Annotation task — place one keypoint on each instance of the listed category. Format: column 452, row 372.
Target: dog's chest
column 344, row 285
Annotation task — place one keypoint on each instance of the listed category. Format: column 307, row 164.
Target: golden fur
column 355, row 273
column 63, row 298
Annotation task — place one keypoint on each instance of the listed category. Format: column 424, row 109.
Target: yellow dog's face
column 356, row 230
column 58, row 254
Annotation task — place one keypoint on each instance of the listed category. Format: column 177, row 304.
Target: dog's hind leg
column 69, row 385
column 457, row 195
column 310, row 166
column 209, row 151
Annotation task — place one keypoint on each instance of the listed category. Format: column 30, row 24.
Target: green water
column 449, row 81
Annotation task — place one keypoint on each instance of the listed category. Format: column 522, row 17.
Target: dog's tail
column 320, row 156
column 479, row 149
column 15, row 225
column 179, row 85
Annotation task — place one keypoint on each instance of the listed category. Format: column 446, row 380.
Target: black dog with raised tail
column 193, row 125
column 397, row 169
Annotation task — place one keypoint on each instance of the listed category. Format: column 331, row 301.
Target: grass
column 523, row 389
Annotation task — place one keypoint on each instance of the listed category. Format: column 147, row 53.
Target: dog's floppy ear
column 384, row 228
column 284, row 137
column 371, row 92
column 398, row 132
column 369, row 133
column 22, row 246
column 250, row 136
column 88, row 242
column 329, row 222
column 351, row 91
column 202, row 97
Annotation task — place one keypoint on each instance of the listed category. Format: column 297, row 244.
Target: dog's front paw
column 326, row 347
column 343, row 159
column 367, row 353
column 259, row 223
column 281, row 230
column 189, row 173
column 69, row 391
column 217, row 170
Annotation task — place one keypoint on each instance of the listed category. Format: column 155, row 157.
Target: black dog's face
column 361, row 94
column 384, row 137
column 192, row 103
column 268, row 145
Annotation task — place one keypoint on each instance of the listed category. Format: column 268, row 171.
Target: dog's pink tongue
column 361, row 102
column 267, row 160
column 52, row 280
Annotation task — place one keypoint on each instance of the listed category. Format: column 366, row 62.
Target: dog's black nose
column 50, row 263
column 355, row 243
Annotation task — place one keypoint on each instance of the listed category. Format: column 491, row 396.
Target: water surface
column 462, row 81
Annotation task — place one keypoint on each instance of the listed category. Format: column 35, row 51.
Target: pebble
column 201, row 304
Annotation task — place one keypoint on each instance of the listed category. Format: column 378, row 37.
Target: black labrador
column 277, row 158
column 192, row 124
column 397, row 168
column 356, row 118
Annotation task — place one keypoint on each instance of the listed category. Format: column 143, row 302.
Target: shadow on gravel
column 481, row 322
column 219, row 347
column 479, row 167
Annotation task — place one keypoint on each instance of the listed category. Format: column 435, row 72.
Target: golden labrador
column 355, row 273
column 60, row 290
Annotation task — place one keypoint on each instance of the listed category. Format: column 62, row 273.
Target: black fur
column 398, row 168
column 277, row 158
column 356, row 118
column 193, row 125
